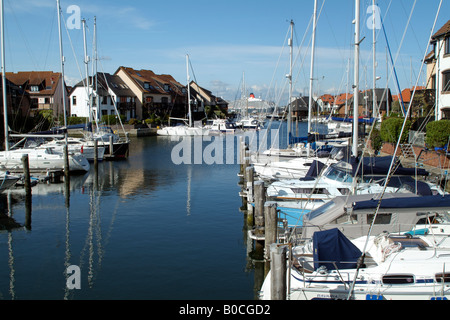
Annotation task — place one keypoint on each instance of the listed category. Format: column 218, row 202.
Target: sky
column 234, row 46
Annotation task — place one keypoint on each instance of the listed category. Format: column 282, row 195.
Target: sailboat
column 271, row 162
column 407, row 262
column 78, row 145
column 188, row 128
column 115, row 146
column 40, row 159
column 394, row 267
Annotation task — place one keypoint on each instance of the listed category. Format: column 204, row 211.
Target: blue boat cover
column 332, row 246
column 433, row 201
column 314, row 170
column 380, row 165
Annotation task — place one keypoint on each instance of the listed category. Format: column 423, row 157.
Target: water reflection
column 124, row 223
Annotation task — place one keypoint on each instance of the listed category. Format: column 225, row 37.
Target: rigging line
column 73, row 51
column 277, row 64
column 283, row 90
column 277, row 100
column 392, row 163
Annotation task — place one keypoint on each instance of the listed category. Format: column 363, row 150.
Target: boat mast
column 5, row 98
column 63, row 91
column 188, row 90
column 62, row 65
column 311, row 78
column 289, row 117
column 86, row 65
column 356, row 84
column 97, row 104
column 374, row 96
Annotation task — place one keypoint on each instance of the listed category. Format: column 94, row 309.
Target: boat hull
column 41, row 160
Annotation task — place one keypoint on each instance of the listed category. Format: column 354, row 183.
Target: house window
column 34, row 89
column 446, row 81
column 447, row 45
column 74, row 100
column 166, row 87
column 34, row 103
column 146, row 85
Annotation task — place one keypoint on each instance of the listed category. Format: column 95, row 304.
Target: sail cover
column 381, row 165
column 333, row 250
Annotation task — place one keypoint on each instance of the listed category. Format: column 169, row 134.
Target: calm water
column 143, row 228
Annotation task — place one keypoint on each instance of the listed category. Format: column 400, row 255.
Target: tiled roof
column 340, row 99
column 155, row 81
column 445, row 30
column 107, row 81
column 47, row 81
column 406, row 94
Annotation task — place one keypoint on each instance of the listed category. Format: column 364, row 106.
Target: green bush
column 438, row 133
column 390, row 130
column 112, row 119
column 133, row 121
column 75, row 120
column 376, row 141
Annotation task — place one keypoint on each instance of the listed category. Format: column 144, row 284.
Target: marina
column 143, row 228
column 131, row 185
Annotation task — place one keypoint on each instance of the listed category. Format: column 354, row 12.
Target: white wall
column 443, row 64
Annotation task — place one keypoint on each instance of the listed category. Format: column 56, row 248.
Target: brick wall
column 427, row 157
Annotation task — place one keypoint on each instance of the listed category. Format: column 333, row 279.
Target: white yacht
column 387, row 266
column 78, row 145
column 218, row 126
column 41, row 159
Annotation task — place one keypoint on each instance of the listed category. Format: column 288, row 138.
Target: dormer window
column 34, row 89
column 146, row 85
column 166, row 88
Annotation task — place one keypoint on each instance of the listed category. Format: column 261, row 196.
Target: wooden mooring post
column 66, row 163
column 260, row 199
column 95, row 154
column 249, row 190
column 279, row 272
column 111, row 147
column 270, row 226
column 27, row 185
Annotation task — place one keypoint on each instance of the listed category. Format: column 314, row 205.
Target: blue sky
column 225, row 40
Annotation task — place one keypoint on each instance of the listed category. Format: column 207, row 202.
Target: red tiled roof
column 406, row 94
column 46, row 80
column 156, row 82
column 444, row 30
column 340, row 99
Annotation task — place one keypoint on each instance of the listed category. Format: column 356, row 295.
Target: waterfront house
column 341, row 105
column 325, row 103
column 18, row 100
column 423, row 100
column 438, row 63
column 107, row 93
column 383, row 100
column 155, row 94
column 300, row 108
column 201, row 98
column 43, row 88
